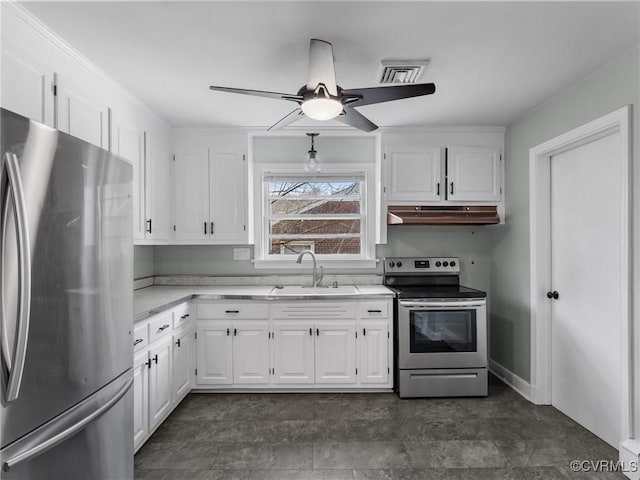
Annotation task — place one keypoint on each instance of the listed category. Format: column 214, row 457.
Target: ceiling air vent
column 402, row 71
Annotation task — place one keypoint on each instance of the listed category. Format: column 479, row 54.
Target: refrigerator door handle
column 66, row 425
column 14, row 355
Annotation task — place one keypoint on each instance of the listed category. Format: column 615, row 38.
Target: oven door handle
column 442, row 305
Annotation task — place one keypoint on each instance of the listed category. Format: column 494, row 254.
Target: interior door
column 586, row 224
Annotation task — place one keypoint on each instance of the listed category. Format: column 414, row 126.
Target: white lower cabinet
column 140, row 398
column 300, row 345
column 183, row 349
column 336, row 352
column 214, row 364
column 251, row 352
column 159, row 381
column 373, row 351
column 293, row 352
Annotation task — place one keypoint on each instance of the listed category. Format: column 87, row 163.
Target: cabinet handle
column 164, row 327
column 318, row 332
column 186, row 315
column 205, row 228
column 235, row 332
column 149, row 227
column 227, row 332
column 213, row 228
column 310, row 331
column 451, row 188
column 232, row 311
column 137, row 341
column 374, row 311
column 148, row 363
column 438, row 189
column 178, row 343
column 155, row 359
column 364, row 332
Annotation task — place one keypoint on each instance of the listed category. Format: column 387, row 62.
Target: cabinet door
column 81, row 112
column 335, row 352
column 26, row 88
column 128, row 142
column 251, row 351
column 414, row 176
column 158, row 189
column 373, row 353
column 293, row 352
column 192, row 195
column 140, row 399
column 473, row 174
column 183, row 342
column 228, row 197
column 214, row 353
column 159, row 381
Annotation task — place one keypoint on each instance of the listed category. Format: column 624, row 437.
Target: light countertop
column 151, row 300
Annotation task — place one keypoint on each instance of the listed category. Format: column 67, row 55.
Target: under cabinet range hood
column 442, row 215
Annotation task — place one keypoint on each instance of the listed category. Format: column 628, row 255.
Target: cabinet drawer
column 181, row 315
column 140, row 337
column 160, row 325
column 232, row 310
column 300, row 309
column 374, row 310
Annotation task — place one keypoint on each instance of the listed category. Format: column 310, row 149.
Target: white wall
column 603, row 91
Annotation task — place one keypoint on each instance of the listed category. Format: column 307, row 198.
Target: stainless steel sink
column 301, row 291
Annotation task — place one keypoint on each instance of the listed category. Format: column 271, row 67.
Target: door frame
column 540, row 254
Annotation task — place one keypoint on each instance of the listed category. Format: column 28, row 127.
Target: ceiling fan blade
column 321, row 69
column 294, row 116
column 258, row 93
column 354, row 118
column 388, row 93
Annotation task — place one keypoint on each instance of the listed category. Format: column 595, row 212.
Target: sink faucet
column 317, row 278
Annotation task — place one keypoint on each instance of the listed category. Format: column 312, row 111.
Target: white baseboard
column 630, row 458
column 514, row 381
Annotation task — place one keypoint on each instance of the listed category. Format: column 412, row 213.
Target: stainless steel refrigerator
column 65, row 306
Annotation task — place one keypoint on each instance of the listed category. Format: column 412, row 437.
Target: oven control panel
column 418, row 265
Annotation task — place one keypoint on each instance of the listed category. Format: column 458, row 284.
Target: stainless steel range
column 441, row 329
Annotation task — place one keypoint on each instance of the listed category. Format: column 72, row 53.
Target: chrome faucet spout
column 315, row 279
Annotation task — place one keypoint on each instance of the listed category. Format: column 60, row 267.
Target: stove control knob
column 392, row 264
column 453, row 264
column 445, row 264
column 438, row 263
column 399, row 264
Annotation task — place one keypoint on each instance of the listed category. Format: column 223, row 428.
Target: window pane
column 313, row 188
column 323, row 246
column 315, row 227
column 315, row 206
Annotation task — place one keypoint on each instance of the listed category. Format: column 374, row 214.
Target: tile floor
column 367, row 436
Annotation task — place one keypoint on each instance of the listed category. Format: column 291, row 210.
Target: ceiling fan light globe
column 321, row 108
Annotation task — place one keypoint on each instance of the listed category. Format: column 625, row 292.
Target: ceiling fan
column 322, row 99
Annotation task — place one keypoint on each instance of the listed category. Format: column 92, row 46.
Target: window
column 324, row 214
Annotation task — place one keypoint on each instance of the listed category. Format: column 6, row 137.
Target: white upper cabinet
column 210, row 196
column 473, row 174
column 82, row 112
column 228, row 197
column 127, row 140
column 414, row 176
column 26, row 88
column 192, row 195
column 158, row 167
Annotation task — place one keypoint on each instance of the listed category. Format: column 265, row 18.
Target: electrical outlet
column 241, row 254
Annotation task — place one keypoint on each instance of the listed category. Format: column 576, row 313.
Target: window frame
column 366, row 258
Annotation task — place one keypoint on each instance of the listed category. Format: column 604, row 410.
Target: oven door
column 442, row 334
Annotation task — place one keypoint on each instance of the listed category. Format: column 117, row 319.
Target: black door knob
column 553, row 295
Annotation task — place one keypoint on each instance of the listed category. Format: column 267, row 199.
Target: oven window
column 436, row 331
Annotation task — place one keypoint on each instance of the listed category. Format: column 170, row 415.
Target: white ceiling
column 491, row 61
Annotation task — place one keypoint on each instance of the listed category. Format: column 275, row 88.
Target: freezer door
column 93, row 440
column 71, row 227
